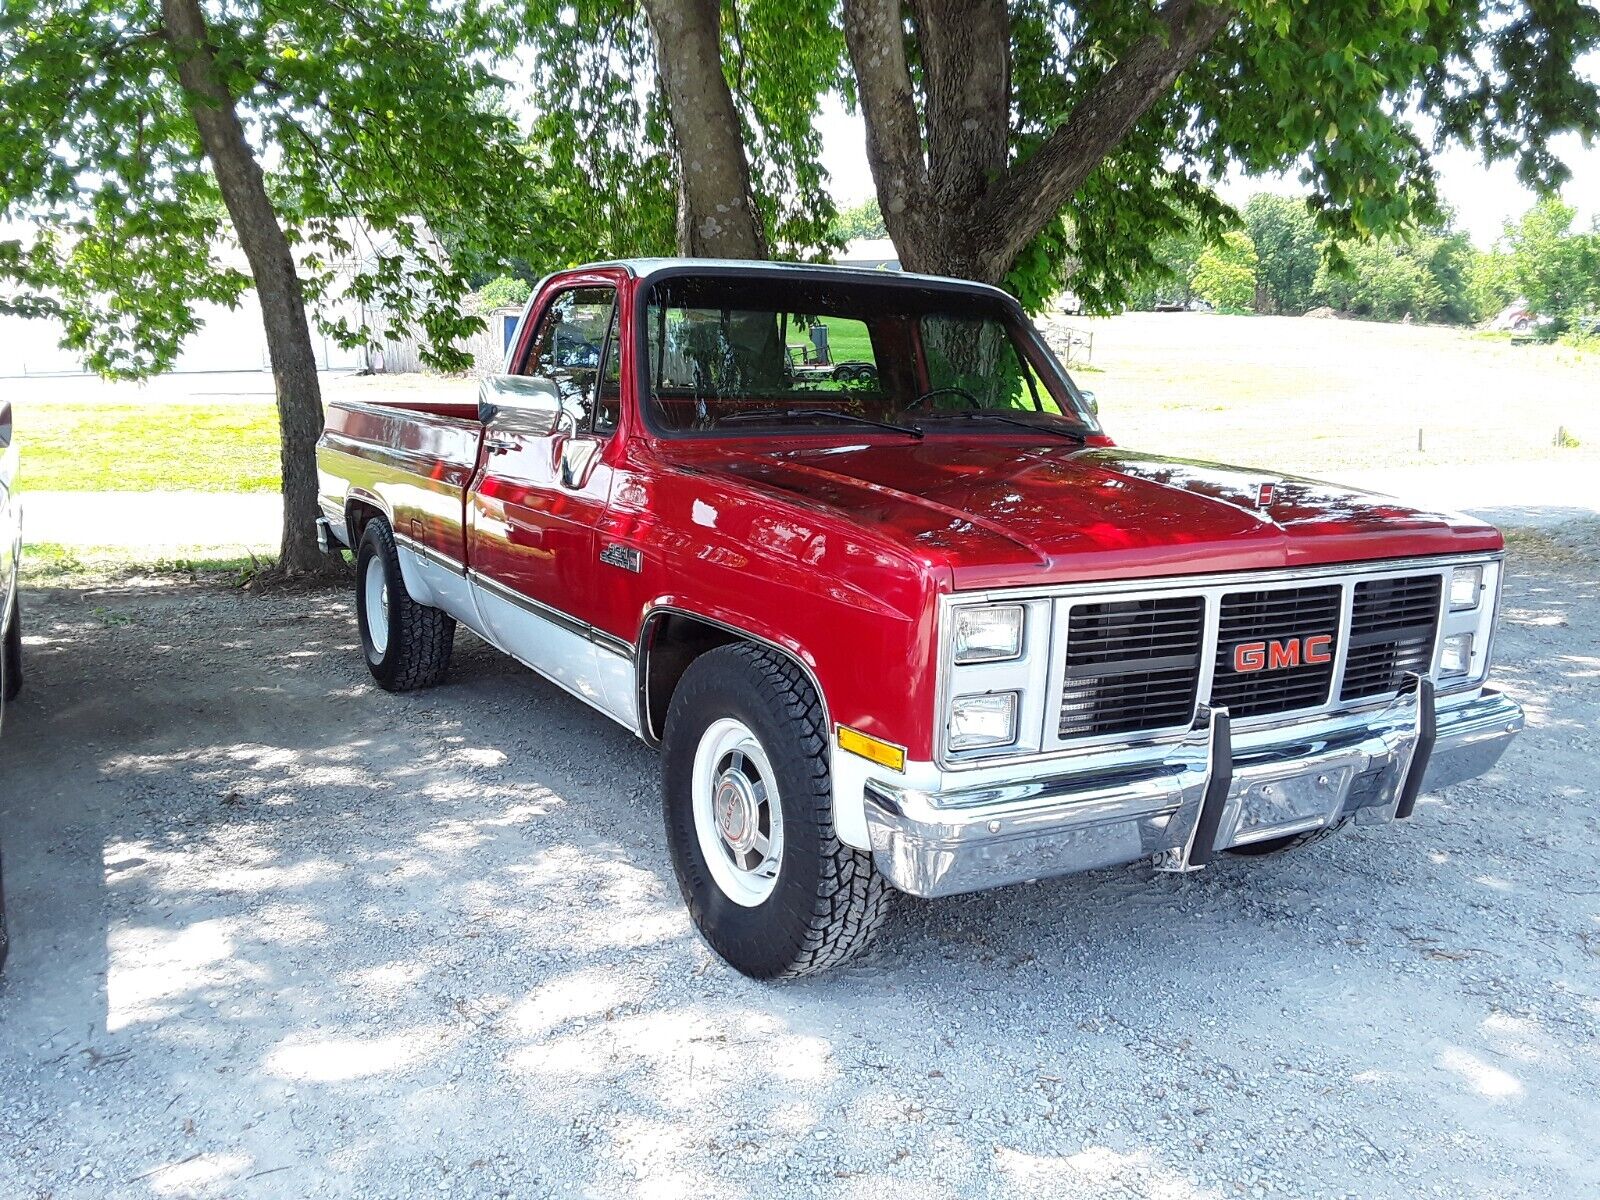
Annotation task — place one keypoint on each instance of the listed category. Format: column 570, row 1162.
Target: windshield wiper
column 813, row 414
column 985, row 415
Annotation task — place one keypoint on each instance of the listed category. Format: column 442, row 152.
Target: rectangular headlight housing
column 991, row 634
column 1455, row 656
column 1466, row 588
column 983, row 722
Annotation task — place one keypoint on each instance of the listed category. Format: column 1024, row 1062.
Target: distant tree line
column 1276, row 261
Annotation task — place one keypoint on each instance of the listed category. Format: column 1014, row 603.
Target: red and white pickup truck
column 914, row 622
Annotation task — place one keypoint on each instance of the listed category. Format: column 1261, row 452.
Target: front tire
column 1289, row 841
column 407, row 645
column 748, row 802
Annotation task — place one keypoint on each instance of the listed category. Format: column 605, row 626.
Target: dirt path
column 278, row 933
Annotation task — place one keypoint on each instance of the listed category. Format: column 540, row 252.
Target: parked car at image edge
column 928, row 631
column 10, row 605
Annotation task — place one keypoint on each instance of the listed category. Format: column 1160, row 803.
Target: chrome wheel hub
column 735, row 808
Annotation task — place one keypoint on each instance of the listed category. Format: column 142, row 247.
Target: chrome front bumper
column 1204, row 795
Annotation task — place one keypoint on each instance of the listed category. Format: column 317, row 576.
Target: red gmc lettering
column 1258, row 656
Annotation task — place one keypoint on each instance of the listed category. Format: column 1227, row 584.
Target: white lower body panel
column 557, row 648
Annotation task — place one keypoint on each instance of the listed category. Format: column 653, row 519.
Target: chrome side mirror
column 527, row 404
column 578, row 456
column 572, row 414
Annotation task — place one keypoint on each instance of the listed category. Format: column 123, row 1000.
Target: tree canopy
column 604, row 139
column 1025, row 140
column 1431, row 274
column 378, row 131
column 339, row 144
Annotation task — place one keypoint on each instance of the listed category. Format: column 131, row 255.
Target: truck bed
column 415, row 458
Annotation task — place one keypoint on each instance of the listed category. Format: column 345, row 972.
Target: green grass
column 50, row 564
column 849, row 341
column 149, row 447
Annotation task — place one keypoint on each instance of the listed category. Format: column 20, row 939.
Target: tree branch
column 964, row 47
column 1028, row 197
column 876, row 39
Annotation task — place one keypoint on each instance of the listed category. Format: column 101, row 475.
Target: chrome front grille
column 1142, row 664
column 1131, row 664
column 1391, row 633
column 1288, row 618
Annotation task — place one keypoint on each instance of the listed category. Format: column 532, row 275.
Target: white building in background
column 878, row 254
column 229, row 339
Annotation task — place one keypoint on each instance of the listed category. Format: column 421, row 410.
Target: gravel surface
column 278, row 933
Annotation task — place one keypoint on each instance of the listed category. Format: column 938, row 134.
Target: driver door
column 533, row 513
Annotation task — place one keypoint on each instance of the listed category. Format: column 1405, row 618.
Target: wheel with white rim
column 747, row 796
column 738, row 814
column 407, row 644
column 375, row 591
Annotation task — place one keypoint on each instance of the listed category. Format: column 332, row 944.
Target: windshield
column 748, row 353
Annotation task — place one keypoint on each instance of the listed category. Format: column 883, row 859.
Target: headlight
column 1455, row 657
column 1466, row 586
column 988, row 634
column 977, row 722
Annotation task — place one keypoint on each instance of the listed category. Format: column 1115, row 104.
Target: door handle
column 500, row 444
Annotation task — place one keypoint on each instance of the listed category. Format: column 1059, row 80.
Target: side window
column 569, row 349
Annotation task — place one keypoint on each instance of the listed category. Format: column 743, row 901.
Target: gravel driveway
column 278, row 933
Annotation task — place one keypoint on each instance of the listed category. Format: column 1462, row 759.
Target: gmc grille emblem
column 1274, row 656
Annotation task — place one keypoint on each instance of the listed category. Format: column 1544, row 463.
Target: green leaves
column 379, row 127
column 1556, row 268
column 1355, row 95
column 1225, row 275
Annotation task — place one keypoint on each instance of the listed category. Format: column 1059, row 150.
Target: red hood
column 996, row 514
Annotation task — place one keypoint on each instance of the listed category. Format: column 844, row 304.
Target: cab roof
column 645, row 268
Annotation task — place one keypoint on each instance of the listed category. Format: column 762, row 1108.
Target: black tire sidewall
column 376, row 552
column 11, row 653
column 766, row 939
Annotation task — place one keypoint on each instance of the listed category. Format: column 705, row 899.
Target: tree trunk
column 950, row 200
column 1028, row 197
column 283, row 310
column 932, row 169
column 717, row 215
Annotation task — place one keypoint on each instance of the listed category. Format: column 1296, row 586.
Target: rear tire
column 407, row 645
column 11, row 652
column 748, row 802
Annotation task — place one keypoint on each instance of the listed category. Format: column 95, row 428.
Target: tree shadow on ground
column 280, row 933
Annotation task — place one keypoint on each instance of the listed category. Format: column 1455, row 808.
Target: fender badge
column 1264, row 495
column 626, row 557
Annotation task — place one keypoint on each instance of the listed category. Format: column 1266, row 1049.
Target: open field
column 1302, row 395
column 1315, row 396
